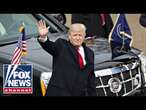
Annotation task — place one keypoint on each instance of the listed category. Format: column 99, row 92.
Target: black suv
column 122, row 76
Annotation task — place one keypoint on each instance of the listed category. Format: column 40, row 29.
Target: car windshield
column 10, row 23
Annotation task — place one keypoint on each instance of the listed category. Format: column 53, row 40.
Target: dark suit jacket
column 67, row 77
column 93, row 24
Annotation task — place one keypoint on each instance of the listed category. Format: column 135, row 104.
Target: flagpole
column 22, row 30
column 122, row 43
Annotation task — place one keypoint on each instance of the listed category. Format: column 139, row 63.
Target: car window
column 2, row 30
column 50, row 21
column 10, row 23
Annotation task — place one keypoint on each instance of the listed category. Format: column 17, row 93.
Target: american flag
column 21, row 49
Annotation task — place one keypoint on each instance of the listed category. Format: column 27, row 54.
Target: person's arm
column 91, row 85
column 43, row 39
column 49, row 46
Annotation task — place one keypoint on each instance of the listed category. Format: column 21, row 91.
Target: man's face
column 76, row 38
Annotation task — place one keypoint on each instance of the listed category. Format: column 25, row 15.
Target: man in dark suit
column 73, row 72
column 98, row 25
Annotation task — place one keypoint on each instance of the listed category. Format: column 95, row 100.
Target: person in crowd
column 98, row 25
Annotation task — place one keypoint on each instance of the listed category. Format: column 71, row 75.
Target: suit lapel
column 87, row 55
column 73, row 52
column 89, row 62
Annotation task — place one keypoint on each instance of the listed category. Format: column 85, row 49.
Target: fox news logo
column 17, row 79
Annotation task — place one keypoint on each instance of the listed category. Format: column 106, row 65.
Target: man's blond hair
column 77, row 27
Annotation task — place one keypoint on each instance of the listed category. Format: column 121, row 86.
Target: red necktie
column 80, row 59
column 102, row 19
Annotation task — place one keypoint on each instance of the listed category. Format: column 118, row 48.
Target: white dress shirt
column 82, row 52
column 43, row 39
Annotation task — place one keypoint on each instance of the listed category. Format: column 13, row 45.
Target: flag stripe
column 17, row 51
column 21, row 48
column 16, row 59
